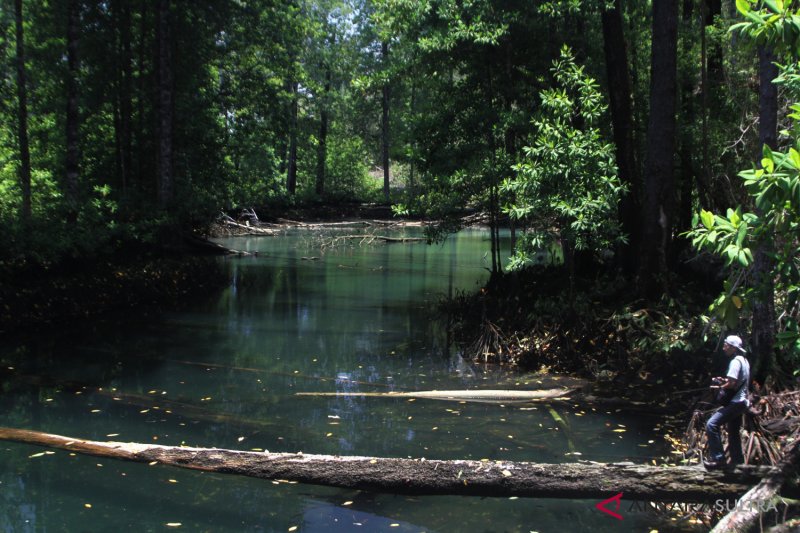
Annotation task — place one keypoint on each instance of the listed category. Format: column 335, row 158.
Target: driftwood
column 428, row 477
column 245, row 229
column 509, row 396
column 366, row 237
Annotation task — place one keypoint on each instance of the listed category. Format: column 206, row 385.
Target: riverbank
column 598, row 329
column 114, row 284
column 33, row 293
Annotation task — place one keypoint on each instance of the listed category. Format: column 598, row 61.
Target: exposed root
column 770, row 427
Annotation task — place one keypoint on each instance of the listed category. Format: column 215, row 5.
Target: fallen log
column 225, row 220
column 509, row 396
column 430, row 477
column 749, row 511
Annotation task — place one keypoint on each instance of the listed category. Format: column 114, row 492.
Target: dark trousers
column 731, row 417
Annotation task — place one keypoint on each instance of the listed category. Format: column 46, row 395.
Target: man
column 734, row 385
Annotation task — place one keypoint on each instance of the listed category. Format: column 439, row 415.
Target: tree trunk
column 322, row 147
column 71, row 165
column 620, row 104
column 385, row 122
column 763, row 333
column 659, row 182
column 429, row 477
column 143, row 74
column 22, row 116
column 749, row 515
column 687, row 145
column 483, row 395
column 708, row 64
column 291, row 171
column 165, row 178
column 125, row 92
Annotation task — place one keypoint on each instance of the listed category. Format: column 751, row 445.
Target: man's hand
column 723, row 382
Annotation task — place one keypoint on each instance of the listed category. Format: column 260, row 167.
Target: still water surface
column 298, row 317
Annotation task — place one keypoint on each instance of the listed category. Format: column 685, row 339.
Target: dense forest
column 631, row 134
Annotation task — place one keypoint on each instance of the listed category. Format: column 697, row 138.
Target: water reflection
column 225, row 372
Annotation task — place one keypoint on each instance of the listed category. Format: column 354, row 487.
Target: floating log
column 430, row 477
column 509, row 396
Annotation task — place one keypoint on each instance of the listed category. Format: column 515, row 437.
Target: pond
column 308, row 313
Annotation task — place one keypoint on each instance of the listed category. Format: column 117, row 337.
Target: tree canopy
column 118, row 119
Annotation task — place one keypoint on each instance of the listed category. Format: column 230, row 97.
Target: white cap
column 736, row 342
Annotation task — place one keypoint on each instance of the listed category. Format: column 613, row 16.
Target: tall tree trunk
column 71, row 166
column 291, row 172
column 165, row 178
column 659, row 182
column 621, row 106
column 763, row 334
column 322, row 147
column 686, row 138
column 142, row 96
column 22, row 115
column 125, row 92
column 711, row 70
column 385, row 122
column 116, row 18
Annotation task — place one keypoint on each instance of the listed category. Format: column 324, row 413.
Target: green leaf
column 743, row 6
column 707, row 218
column 741, row 235
column 794, row 157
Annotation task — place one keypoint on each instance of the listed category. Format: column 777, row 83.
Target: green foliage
column 725, row 236
column 348, row 172
column 770, row 22
column 774, row 187
column 566, row 189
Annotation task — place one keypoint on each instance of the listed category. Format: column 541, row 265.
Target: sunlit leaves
column 566, row 189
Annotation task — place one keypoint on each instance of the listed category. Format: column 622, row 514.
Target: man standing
column 732, row 390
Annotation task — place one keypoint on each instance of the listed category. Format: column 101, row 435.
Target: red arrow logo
column 602, row 506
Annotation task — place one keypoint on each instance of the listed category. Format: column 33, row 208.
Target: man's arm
column 731, row 381
column 724, row 382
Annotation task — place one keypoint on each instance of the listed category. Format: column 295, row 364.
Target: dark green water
column 224, row 372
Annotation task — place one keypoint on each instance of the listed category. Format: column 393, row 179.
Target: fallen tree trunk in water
column 476, row 395
column 429, row 477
